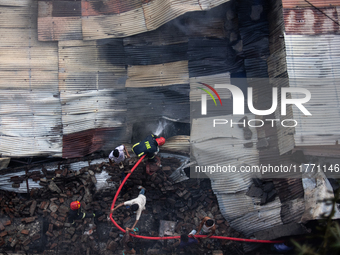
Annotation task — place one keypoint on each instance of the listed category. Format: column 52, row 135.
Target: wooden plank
column 158, row 75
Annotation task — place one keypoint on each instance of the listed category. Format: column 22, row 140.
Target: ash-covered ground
column 38, row 224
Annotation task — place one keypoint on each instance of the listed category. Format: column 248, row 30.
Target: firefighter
column 149, row 147
column 76, row 214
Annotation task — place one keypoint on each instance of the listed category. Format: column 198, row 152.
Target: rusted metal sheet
column 101, row 7
column 303, row 3
column 86, row 142
column 59, row 28
column 311, row 21
column 158, row 75
column 66, row 8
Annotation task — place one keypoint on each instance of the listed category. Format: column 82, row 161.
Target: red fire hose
column 175, row 237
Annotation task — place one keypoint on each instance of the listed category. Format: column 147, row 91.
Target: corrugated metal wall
column 96, row 19
column 70, row 98
column 30, row 109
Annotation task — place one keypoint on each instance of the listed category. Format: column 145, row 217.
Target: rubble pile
column 38, row 222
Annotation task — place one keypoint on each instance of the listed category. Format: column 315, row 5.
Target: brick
column 42, row 205
column 29, row 219
column 50, row 228
column 32, row 208
column 7, row 223
column 217, row 252
column 53, row 245
column 35, row 237
column 166, row 168
column 4, row 233
column 61, row 219
column 58, row 224
column 74, row 238
column 53, row 207
column 54, row 215
column 2, row 242
column 26, row 242
column 63, row 209
column 113, row 234
column 1, row 226
column 71, row 230
column 111, row 245
column 49, row 234
column 14, row 242
column 25, row 231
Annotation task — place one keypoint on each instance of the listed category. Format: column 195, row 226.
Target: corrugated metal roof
column 223, row 145
column 312, row 64
column 30, row 122
column 244, row 213
column 112, row 26
column 158, row 75
column 159, row 12
column 59, row 28
column 111, row 19
column 98, row 7
column 58, row 21
column 310, row 21
column 302, row 3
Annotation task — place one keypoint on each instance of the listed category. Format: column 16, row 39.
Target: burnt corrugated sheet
column 89, row 141
column 100, row 7
column 152, row 103
column 311, row 21
column 302, row 3
column 158, row 75
column 30, row 111
column 97, row 19
column 313, row 64
column 212, row 56
column 196, row 24
column 154, row 55
column 59, row 20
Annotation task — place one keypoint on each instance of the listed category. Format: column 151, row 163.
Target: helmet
column 160, row 141
column 75, row 205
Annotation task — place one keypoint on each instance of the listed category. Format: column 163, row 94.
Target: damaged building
column 81, row 77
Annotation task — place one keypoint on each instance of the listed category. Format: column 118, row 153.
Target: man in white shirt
column 137, row 205
column 118, row 155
